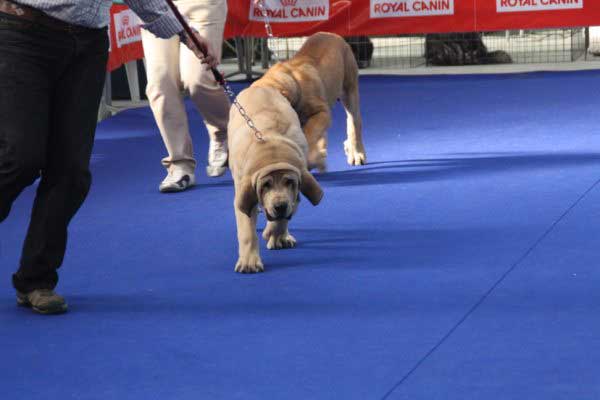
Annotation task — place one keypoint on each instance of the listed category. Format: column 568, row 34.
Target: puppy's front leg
column 277, row 235
column 249, row 258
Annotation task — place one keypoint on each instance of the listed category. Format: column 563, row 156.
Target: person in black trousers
column 51, row 78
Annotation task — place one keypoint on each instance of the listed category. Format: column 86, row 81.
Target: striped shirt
column 156, row 14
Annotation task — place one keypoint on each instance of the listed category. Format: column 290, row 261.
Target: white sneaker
column 178, row 181
column 217, row 157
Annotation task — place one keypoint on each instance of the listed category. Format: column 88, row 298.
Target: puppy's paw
column 278, row 242
column 249, row 264
column 355, row 154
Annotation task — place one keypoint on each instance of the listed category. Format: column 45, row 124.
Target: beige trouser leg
column 171, row 67
column 208, row 96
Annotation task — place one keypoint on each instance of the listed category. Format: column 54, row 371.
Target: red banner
column 394, row 17
column 370, row 17
column 125, row 37
column 287, row 17
column 385, row 17
column 536, row 14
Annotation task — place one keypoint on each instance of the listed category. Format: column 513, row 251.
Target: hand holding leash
column 203, row 51
column 197, row 44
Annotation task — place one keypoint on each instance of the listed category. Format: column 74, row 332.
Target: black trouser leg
column 73, row 93
column 66, row 177
column 25, row 81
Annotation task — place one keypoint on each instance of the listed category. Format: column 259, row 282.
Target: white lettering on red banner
column 127, row 28
column 411, row 8
column 536, row 5
column 291, row 10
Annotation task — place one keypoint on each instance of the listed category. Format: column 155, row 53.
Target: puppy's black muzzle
column 280, row 213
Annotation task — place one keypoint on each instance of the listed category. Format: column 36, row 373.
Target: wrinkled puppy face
column 278, row 193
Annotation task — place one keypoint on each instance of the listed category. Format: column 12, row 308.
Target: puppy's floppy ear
column 245, row 197
column 311, row 188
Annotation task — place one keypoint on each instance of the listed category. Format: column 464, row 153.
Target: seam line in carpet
column 487, row 294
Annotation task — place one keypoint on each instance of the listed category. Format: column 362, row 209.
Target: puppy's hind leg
column 277, row 235
column 353, row 146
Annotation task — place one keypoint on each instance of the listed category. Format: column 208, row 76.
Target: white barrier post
column 595, row 40
column 131, row 70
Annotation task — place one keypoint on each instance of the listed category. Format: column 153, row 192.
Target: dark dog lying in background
column 461, row 49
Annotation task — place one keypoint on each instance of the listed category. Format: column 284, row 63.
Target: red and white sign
column 370, row 17
column 411, row 8
column 123, row 30
column 127, row 27
column 290, row 10
column 537, row 5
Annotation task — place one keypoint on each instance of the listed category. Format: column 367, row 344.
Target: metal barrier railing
column 411, row 51
column 250, row 57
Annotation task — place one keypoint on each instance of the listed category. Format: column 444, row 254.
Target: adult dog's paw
column 317, row 160
column 355, row 154
column 278, row 242
column 249, row 264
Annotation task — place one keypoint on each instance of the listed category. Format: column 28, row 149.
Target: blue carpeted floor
column 461, row 263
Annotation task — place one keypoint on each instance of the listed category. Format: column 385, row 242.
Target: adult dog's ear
column 311, row 188
column 245, row 197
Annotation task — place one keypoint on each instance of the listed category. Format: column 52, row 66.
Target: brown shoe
column 43, row 301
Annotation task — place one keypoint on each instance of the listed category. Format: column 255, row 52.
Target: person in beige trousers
column 171, row 68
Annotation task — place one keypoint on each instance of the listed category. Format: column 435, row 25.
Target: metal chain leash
column 219, row 77
column 231, row 94
column 257, row 134
column 268, row 27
